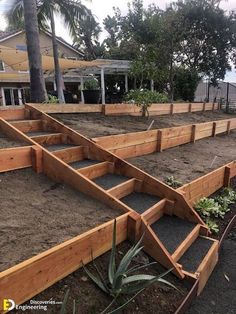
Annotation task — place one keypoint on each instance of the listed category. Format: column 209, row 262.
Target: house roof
column 4, row 35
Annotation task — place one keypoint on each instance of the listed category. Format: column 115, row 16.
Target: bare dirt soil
column 189, row 161
column 36, row 214
column 157, row 299
column 96, row 124
column 6, row 142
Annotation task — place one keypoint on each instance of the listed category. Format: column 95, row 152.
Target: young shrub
column 207, row 207
column 173, row 182
column 121, row 278
column 52, row 100
column 144, row 98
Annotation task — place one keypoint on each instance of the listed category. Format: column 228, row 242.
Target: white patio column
column 20, row 97
column 54, row 86
column 152, row 85
column 81, row 89
column 103, row 87
column 126, row 83
column 3, row 97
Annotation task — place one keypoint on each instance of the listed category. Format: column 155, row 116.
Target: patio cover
column 18, row 60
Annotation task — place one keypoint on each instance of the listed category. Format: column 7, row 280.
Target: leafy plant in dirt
column 121, row 278
column 144, row 98
column 212, row 225
column 173, row 182
column 207, row 207
column 227, row 197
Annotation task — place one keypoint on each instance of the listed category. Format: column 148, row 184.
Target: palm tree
column 37, row 84
column 71, row 11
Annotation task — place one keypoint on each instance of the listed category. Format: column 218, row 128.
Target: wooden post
column 103, row 86
column 81, row 89
column 126, row 83
column 204, row 107
column 228, row 127
column 134, row 227
column 214, row 129
column 37, row 159
column 227, row 176
column 159, row 140
column 171, row 108
column 190, row 107
column 193, row 137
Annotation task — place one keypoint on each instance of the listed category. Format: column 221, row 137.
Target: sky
column 102, row 8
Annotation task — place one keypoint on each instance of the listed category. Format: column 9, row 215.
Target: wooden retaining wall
column 142, row 143
column 17, row 158
column 126, row 109
column 159, row 109
column 27, row 279
column 209, row 183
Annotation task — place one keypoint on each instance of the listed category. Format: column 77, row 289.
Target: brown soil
column 36, row 214
column 189, row 161
column 6, row 142
column 90, row 300
column 94, row 125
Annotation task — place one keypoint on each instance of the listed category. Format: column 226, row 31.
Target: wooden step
column 51, row 139
column 123, row 188
column 72, row 154
column 84, row 163
column 26, row 126
column 139, row 201
column 172, row 231
column 97, row 170
column 200, row 259
column 110, row 180
column 59, row 147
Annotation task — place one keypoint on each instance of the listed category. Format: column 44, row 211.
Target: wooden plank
column 188, row 241
column 27, row 279
column 122, row 189
column 37, row 159
column 97, row 170
column 15, row 113
column 28, row 125
column 154, row 213
column 15, row 158
column 71, row 154
column 49, row 139
column 68, row 108
column 136, row 150
column 227, row 176
column 207, row 265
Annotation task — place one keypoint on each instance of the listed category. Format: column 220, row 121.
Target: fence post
column 193, row 136
column 227, row 98
column 37, row 159
column 159, row 140
column 227, row 176
column 190, row 107
column 228, row 127
column 214, row 129
column 171, row 108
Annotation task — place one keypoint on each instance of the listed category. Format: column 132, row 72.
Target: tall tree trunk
column 38, row 92
column 58, row 75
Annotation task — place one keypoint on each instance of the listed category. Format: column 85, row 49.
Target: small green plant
column 173, row 182
column 212, row 225
column 91, row 84
column 144, row 98
column 121, row 280
column 207, row 207
column 51, row 100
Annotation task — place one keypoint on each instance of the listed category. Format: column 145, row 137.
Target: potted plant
column 91, row 91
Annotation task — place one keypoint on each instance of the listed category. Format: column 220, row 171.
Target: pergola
column 77, row 70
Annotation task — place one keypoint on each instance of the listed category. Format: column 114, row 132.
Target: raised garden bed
column 95, row 125
column 90, row 300
column 42, row 213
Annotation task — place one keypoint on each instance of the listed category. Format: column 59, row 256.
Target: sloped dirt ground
column 36, row 214
column 96, row 124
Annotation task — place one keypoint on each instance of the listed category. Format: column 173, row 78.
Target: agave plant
column 121, row 278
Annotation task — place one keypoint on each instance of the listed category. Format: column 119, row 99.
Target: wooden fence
column 126, row 109
column 147, row 142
